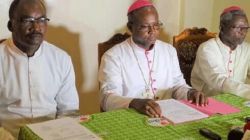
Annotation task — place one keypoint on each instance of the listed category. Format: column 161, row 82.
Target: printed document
column 62, row 129
column 177, row 112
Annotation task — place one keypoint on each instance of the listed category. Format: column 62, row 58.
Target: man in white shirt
column 37, row 80
column 142, row 69
column 223, row 64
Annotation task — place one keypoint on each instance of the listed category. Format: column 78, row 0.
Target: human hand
column 146, row 106
column 197, row 97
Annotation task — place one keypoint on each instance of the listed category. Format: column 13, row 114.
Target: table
column 130, row 125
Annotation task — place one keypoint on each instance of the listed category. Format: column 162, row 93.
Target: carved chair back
column 186, row 44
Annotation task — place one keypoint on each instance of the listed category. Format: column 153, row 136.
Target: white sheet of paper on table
column 64, row 128
column 178, row 112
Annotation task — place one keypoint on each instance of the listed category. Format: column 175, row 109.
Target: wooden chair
column 186, row 44
column 104, row 46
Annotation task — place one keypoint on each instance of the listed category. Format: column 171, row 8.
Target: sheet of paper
column 214, row 107
column 62, row 129
column 178, row 112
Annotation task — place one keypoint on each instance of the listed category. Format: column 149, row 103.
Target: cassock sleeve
column 111, row 84
column 180, row 88
column 67, row 97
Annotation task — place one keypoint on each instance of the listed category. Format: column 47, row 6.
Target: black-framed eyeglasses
column 31, row 20
column 240, row 28
column 145, row 28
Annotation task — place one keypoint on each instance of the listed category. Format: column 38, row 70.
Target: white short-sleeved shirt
column 36, row 86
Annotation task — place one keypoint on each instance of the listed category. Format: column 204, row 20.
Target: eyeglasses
column 31, row 20
column 240, row 28
column 146, row 28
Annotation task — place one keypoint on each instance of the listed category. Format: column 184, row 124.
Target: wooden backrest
column 104, row 46
column 186, row 44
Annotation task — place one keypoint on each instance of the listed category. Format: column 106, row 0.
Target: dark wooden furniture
column 104, row 46
column 186, row 44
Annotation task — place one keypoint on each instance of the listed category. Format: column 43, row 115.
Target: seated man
column 140, row 70
column 37, row 79
column 223, row 63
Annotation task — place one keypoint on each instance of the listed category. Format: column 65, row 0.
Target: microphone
column 235, row 134
column 240, row 133
column 209, row 134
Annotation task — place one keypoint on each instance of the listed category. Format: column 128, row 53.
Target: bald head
column 28, row 24
column 16, row 3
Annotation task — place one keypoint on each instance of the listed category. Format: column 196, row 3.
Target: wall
column 169, row 12
column 78, row 26
column 196, row 13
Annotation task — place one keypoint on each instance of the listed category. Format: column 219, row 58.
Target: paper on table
column 214, row 107
column 64, row 128
column 178, row 112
